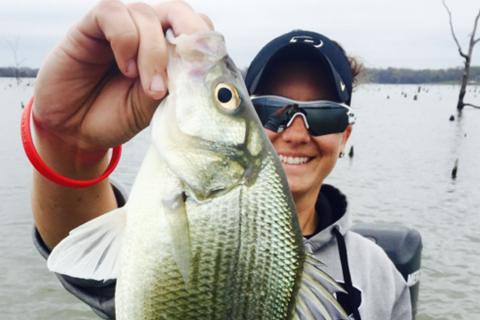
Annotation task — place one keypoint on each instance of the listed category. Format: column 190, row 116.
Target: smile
column 293, row 160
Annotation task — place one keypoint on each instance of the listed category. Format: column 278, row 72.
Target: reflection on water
column 404, row 153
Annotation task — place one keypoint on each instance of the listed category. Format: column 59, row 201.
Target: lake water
column 404, row 153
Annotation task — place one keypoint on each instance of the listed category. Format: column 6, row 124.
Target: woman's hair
column 355, row 64
column 357, row 70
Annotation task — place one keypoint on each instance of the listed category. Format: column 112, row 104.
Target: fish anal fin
column 319, row 312
column 91, row 251
column 315, row 299
column 314, row 270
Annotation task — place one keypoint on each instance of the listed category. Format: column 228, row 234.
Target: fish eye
column 227, row 96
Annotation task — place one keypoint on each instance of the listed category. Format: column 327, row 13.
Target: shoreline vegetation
column 22, row 72
column 370, row 75
column 424, row 76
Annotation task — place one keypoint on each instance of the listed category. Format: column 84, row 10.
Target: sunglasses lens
column 323, row 118
column 265, row 112
column 266, row 107
column 327, row 120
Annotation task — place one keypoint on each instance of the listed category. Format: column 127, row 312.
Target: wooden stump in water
column 351, row 152
column 454, row 170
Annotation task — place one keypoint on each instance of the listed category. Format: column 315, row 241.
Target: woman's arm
column 97, row 89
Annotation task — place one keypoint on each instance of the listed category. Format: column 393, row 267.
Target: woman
column 309, row 72
column 75, row 126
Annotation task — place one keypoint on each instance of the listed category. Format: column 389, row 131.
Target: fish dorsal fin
column 315, row 299
column 91, row 251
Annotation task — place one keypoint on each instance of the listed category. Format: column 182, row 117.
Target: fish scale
column 239, row 277
column 260, row 206
column 215, row 270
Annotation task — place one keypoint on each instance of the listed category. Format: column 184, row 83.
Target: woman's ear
column 346, row 135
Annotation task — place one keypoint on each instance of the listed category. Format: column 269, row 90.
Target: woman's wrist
column 69, row 160
column 63, row 162
column 64, row 154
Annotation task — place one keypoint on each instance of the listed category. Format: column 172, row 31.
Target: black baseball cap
column 300, row 41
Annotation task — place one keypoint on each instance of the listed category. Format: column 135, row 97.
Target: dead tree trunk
column 467, row 57
column 17, row 63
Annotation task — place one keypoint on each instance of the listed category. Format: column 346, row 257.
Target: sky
column 382, row 33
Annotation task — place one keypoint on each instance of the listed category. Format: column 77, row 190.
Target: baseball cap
column 300, row 41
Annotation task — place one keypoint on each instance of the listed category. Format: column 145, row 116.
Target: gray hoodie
column 379, row 290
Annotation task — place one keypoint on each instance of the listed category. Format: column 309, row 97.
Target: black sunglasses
column 321, row 117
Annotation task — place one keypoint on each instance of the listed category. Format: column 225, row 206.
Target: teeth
column 293, row 160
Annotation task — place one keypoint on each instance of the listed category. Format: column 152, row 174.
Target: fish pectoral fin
column 315, row 298
column 91, row 251
column 179, row 230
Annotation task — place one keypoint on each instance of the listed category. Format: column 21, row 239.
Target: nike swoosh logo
column 342, row 86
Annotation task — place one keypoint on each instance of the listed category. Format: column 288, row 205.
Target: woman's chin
column 301, row 183
column 297, row 171
column 297, row 185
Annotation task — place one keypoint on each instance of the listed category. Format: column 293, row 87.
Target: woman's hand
column 100, row 86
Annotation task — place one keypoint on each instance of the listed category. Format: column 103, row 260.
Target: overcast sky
column 383, row 33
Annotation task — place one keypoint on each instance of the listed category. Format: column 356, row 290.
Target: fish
column 209, row 230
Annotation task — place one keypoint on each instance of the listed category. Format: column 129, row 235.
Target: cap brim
column 298, row 48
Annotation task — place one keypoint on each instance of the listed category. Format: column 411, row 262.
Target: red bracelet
column 46, row 171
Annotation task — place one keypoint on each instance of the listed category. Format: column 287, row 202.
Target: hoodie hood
column 331, row 208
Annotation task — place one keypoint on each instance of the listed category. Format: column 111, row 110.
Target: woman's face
column 306, row 159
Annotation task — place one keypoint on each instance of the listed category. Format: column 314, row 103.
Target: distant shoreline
column 413, row 76
column 370, row 75
column 22, row 72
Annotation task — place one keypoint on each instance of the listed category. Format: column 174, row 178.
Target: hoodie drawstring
column 342, row 250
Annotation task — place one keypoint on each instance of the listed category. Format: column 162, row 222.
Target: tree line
column 370, row 75
column 22, row 72
column 405, row 76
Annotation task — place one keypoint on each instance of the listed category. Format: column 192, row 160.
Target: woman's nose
column 297, row 132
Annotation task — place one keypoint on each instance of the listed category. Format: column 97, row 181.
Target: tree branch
column 471, row 105
column 474, row 42
column 460, row 51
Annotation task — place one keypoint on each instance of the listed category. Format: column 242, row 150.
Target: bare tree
column 13, row 45
column 467, row 56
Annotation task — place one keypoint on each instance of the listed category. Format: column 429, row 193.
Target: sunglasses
column 321, row 117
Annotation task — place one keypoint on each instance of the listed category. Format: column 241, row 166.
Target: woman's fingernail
column 157, row 84
column 131, row 67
